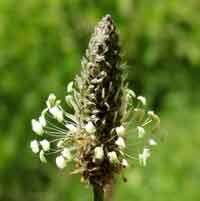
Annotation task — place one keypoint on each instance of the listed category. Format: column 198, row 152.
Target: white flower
column 154, row 117
column 120, row 142
column 90, row 128
column 60, row 143
column 140, row 131
column 42, row 121
column 37, row 127
column 70, row 87
column 61, row 162
column 34, row 146
column 131, row 93
column 152, row 142
column 42, row 157
column 60, row 116
column 57, row 113
column 66, row 153
column 98, row 153
column 113, row 157
column 142, row 99
column 120, row 130
column 71, row 127
column 151, row 113
column 54, row 111
column 45, row 145
column 51, row 100
column 144, row 156
column 69, row 100
column 124, row 163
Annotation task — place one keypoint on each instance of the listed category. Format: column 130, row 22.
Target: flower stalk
column 98, row 193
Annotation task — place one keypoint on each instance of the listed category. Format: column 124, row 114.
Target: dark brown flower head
column 103, row 46
column 102, row 78
column 100, row 86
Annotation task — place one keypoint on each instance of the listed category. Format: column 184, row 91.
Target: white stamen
column 61, row 162
column 66, row 153
column 144, row 156
column 37, row 127
column 120, row 130
column 51, row 100
column 69, row 100
column 131, row 93
column 42, row 157
column 57, row 113
column 113, row 157
column 124, row 163
column 142, row 99
column 152, row 142
column 120, row 142
column 151, row 113
column 60, row 143
column 90, row 128
column 140, row 131
column 42, row 121
column 60, row 116
column 71, row 127
column 98, row 153
column 34, row 146
column 70, row 87
column 45, row 145
column 154, row 116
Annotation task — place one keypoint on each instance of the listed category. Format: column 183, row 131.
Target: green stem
column 98, row 193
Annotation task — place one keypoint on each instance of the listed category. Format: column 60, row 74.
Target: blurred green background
column 41, row 44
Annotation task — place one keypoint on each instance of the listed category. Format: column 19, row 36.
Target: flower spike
column 101, row 135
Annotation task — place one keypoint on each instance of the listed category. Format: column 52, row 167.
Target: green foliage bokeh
column 41, row 44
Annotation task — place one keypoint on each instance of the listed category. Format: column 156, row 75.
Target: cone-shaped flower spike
column 107, row 117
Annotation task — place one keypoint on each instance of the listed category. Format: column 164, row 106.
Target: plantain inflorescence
column 109, row 126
